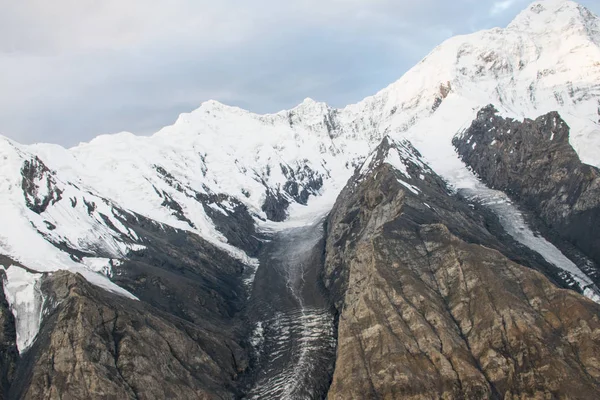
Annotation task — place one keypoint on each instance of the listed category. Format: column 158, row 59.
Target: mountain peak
column 212, row 108
column 308, row 101
column 555, row 15
column 311, row 104
column 214, row 105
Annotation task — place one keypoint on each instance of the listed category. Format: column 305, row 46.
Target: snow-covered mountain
column 67, row 208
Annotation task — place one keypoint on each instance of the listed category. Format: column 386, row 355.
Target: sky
column 73, row 69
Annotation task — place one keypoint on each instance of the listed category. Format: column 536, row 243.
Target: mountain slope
column 547, row 59
column 429, row 308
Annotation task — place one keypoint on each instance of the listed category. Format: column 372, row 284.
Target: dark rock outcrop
column 39, row 185
column 301, row 183
column 236, row 224
column 534, row 163
column 230, row 216
column 275, row 205
column 430, row 308
column 182, row 274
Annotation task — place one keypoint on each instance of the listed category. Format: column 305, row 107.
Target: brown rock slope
column 95, row 345
column 426, row 313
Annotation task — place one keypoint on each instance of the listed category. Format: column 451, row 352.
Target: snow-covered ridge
column 549, row 16
column 547, row 59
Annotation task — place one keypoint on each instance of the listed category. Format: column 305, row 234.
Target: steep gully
column 514, row 222
column 294, row 336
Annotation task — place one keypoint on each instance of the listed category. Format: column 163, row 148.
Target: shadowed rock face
column 534, row 163
column 301, row 183
column 428, row 309
column 183, row 275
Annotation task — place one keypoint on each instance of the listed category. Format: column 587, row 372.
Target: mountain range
column 439, row 239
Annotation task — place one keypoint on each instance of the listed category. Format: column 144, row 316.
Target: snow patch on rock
column 22, row 291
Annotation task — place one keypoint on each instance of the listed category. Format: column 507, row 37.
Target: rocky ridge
column 95, row 345
column 427, row 311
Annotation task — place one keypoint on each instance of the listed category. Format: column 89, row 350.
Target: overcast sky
column 73, row 69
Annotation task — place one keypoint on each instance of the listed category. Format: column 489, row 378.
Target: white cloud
column 71, row 25
column 63, row 26
column 501, row 6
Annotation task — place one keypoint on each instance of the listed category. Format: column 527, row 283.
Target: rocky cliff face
column 101, row 346
column 426, row 310
column 534, row 162
column 184, row 275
